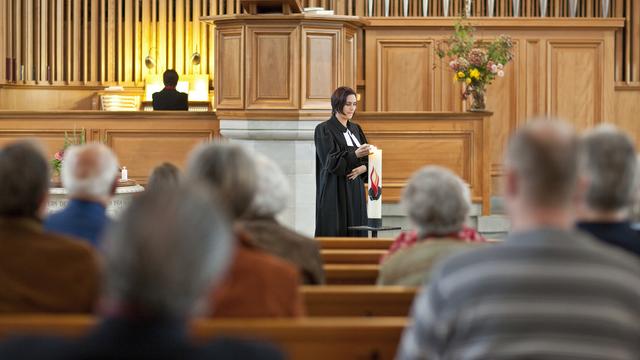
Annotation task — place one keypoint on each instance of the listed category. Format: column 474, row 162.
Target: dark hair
column 164, row 176
column 339, row 98
column 24, row 175
column 170, row 78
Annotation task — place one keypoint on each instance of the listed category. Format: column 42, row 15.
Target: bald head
column 89, row 170
column 544, row 157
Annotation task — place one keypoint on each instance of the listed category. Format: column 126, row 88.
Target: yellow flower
column 460, row 74
column 455, row 77
column 468, row 81
column 474, row 73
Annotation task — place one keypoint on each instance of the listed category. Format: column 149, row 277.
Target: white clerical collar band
column 348, row 136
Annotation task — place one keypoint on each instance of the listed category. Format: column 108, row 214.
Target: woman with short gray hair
column 437, row 204
column 267, row 234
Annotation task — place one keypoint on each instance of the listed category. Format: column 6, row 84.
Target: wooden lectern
column 286, row 7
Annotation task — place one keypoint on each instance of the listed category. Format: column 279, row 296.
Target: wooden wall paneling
column 503, row 101
column 404, row 75
column 127, row 60
column 321, row 71
column 535, row 104
column 350, row 59
column 142, row 150
column 52, row 140
column 272, row 69
column 229, row 83
column 575, row 81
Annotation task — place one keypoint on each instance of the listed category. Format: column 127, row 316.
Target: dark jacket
column 131, row 339
column 82, row 219
column 170, row 99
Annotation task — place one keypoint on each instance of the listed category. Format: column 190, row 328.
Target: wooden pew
column 351, row 274
column 351, row 256
column 357, row 300
column 354, row 243
column 305, row 338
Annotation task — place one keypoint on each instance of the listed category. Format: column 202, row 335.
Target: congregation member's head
column 541, row 173
column 609, row 166
column 272, row 191
column 170, row 78
column 24, row 180
column 90, row 172
column 163, row 176
column 166, row 252
column 227, row 168
column 437, row 201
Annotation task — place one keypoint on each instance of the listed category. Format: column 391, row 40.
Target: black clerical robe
column 340, row 202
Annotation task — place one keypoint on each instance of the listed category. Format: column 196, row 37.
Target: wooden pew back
column 357, row 300
column 306, row 338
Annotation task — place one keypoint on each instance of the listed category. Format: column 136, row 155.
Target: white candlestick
column 374, row 193
column 124, row 176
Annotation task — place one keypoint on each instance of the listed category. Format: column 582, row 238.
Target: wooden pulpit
column 286, row 7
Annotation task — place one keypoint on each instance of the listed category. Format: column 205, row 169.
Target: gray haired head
column 89, row 170
column 437, row 201
column 544, row 155
column 24, row 179
column 167, row 251
column 228, row 169
column 272, row 189
column 609, row 163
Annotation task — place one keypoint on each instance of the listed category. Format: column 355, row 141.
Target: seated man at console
column 170, row 98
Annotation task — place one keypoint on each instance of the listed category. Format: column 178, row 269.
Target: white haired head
column 273, row 189
column 89, row 170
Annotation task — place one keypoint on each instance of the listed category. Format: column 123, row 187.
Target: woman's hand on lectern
column 356, row 172
column 363, row 150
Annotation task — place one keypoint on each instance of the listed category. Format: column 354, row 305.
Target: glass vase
column 478, row 99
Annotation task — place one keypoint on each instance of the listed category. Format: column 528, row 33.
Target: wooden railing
column 107, row 42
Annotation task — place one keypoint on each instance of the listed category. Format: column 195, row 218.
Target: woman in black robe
column 341, row 169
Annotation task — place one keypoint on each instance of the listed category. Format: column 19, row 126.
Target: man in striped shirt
column 548, row 291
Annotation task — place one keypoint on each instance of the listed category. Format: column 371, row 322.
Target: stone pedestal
column 290, row 144
column 122, row 198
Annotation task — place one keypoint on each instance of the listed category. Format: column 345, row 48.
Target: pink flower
column 494, row 68
column 500, row 73
column 59, row 155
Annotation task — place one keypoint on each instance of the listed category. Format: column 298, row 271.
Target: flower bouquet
column 58, row 157
column 475, row 63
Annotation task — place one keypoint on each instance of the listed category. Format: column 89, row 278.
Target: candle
column 374, row 193
column 125, row 174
